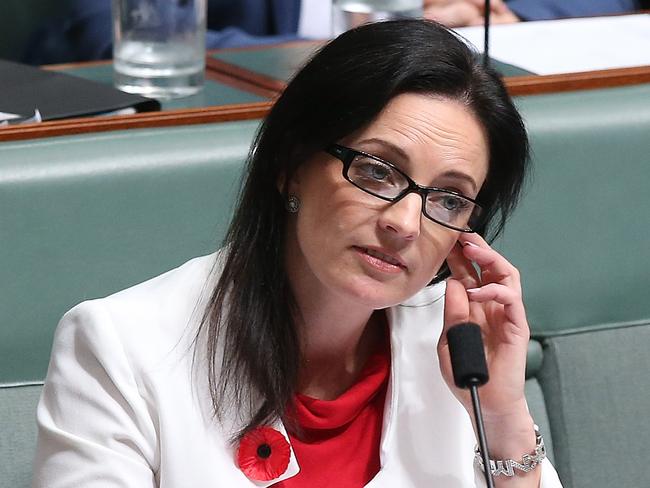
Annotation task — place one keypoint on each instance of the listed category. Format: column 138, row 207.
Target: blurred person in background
column 461, row 13
column 83, row 31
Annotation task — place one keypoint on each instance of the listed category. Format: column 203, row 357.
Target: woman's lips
column 381, row 260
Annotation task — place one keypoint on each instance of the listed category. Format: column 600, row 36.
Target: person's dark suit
column 555, row 9
column 83, row 31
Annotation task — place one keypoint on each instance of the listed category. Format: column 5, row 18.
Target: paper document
column 7, row 118
column 569, row 45
column 39, row 94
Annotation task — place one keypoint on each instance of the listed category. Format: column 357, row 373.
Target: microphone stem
column 482, row 440
column 486, row 34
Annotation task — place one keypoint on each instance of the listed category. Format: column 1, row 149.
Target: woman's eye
column 451, row 203
column 379, row 173
column 375, row 171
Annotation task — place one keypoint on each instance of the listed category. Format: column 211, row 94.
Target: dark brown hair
column 344, row 86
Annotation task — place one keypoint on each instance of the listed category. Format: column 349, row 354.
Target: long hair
column 253, row 349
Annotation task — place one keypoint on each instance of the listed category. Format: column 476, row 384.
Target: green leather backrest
column 85, row 216
column 581, row 237
column 595, row 384
column 535, row 396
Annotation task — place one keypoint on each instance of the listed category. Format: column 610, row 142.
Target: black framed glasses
column 384, row 180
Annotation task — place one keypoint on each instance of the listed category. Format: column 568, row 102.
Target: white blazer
column 124, row 406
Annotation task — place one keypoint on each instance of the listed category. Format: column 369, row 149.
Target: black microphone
column 470, row 371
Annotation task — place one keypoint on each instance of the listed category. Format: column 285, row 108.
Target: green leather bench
column 581, row 235
column 581, row 239
column 84, row 216
column 594, row 382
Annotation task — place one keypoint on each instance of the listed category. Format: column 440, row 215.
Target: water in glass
column 347, row 14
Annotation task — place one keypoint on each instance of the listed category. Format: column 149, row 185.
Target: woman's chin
column 377, row 295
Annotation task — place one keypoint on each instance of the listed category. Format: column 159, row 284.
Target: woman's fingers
column 453, row 14
column 461, row 267
column 494, row 267
column 513, row 306
column 501, row 294
column 498, row 283
column 457, row 308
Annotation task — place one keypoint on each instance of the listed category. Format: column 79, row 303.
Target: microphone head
column 467, row 355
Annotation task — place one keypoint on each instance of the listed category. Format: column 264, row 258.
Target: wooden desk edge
column 516, row 85
column 207, row 115
column 266, row 86
column 245, row 75
column 585, row 80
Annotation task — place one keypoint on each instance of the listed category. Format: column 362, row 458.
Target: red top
column 339, row 442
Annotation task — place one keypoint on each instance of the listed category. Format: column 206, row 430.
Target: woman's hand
column 492, row 299
column 461, row 13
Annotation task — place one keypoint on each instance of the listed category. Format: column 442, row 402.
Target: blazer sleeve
column 94, row 427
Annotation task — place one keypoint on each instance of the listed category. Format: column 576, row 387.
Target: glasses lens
column 376, row 177
column 451, row 209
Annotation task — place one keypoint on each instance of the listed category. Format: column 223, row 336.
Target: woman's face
column 346, row 244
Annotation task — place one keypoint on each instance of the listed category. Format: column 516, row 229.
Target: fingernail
column 473, row 290
column 470, row 244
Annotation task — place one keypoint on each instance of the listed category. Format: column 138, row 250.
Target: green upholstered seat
column 17, row 433
column 535, row 396
column 581, row 235
column 580, row 239
column 595, row 386
column 85, row 216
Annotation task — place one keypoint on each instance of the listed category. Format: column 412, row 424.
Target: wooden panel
column 587, row 80
column 206, row 115
column 247, row 76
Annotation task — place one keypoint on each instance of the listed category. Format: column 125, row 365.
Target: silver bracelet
column 507, row 467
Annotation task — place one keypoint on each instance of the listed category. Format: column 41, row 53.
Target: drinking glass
column 347, row 14
column 159, row 46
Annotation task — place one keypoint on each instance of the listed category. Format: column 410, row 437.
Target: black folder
column 57, row 95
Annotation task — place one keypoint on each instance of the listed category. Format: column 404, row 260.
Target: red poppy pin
column 263, row 454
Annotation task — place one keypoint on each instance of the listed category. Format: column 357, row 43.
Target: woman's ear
column 288, row 184
column 280, row 183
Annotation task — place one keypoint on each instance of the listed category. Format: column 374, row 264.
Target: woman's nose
column 403, row 218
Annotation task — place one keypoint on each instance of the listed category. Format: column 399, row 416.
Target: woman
column 304, row 352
